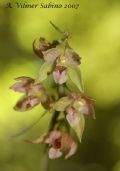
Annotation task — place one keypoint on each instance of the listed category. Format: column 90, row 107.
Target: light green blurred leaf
column 74, row 74
column 44, row 70
column 61, row 104
column 57, row 28
column 72, row 87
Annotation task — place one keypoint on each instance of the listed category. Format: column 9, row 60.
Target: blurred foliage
column 95, row 29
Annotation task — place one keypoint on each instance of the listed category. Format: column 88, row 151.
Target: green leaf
column 61, row 104
column 74, row 74
column 44, row 70
column 57, row 28
column 79, row 128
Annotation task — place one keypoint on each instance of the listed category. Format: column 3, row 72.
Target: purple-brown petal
column 73, row 57
column 37, row 51
column 25, row 79
column 27, row 103
column 68, row 143
column 19, row 87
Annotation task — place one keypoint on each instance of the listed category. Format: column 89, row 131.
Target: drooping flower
column 83, row 104
column 27, row 85
column 60, row 75
column 24, row 85
column 58, row 142
column 34, row 93
column 46, row 50
column 27, row 103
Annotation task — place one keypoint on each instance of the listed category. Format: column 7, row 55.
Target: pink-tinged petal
column 24, row 85
column 72, row 151
column 56, row 76
column 51, row 54
column 63, row 77
column 68, row 143
column 19, row 87
column 60, row 77
column 72, row 117
column 54, row 153
column 53, row 136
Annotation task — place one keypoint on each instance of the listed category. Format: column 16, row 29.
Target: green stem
column 29, row 127
column 61, row 89
column 44, row 161
column 53, row 121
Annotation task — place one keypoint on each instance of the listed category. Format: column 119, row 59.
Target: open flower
column 50, row 53
column 27, row 103
column 46, row 50
column 69, row 58
column 58, row 142
column 60, row 75
column 74, row 103
column 27, row 85
column 83, row 104
column 34, row 93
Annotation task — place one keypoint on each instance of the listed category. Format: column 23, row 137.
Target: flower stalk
column 65, row 99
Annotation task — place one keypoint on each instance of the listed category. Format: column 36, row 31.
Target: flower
column 60, row 75
column 50, row 53
column 34, row 93
column 46, row 51
column 69, row 58
column 27, row 86
column 27, row 103
column 73, row 104
column 58, row 142
column 83, row 104
column 23, row 86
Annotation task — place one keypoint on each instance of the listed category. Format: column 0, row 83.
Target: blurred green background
column 95, row 29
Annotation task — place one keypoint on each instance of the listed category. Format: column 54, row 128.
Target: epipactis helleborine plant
column 61, row 65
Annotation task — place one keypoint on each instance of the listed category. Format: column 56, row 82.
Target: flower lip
column 60, row 74
column 82, row 103
column 59, row 142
